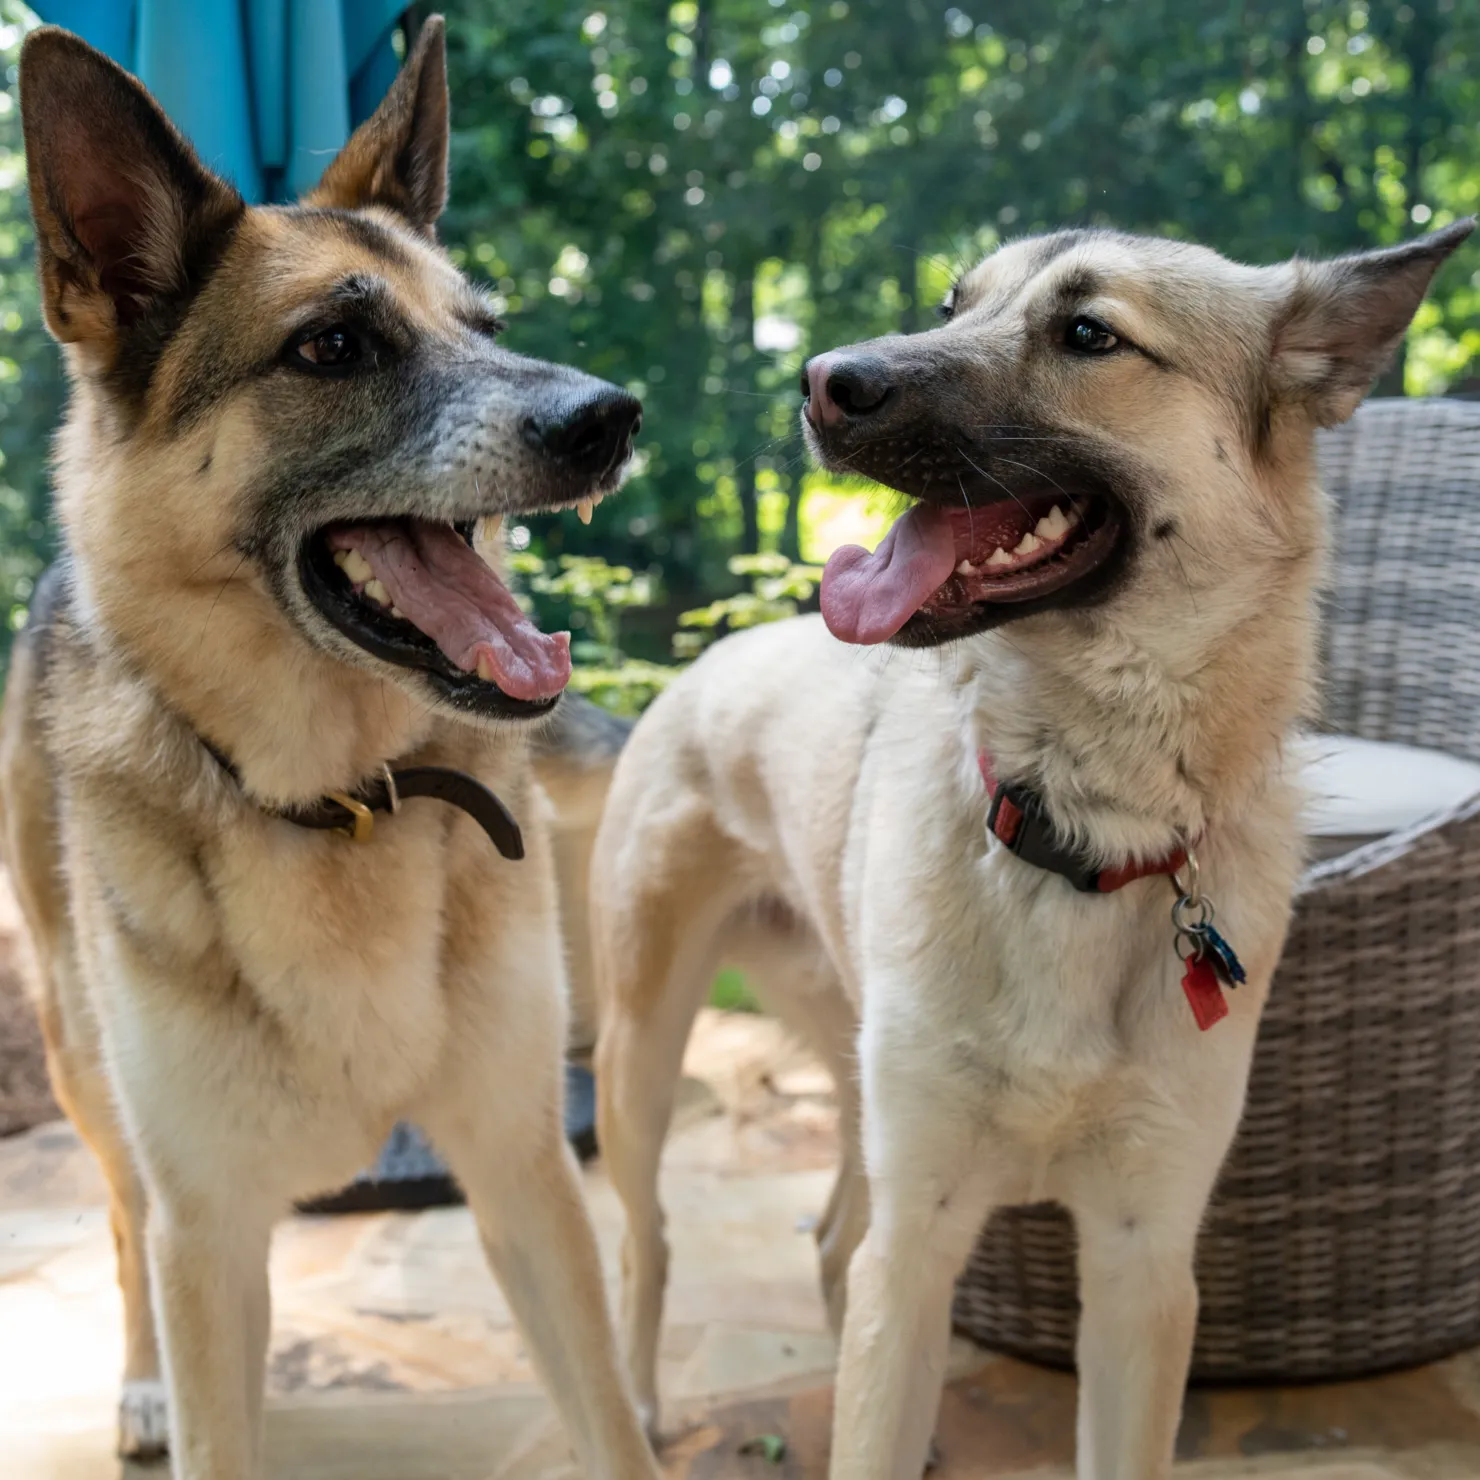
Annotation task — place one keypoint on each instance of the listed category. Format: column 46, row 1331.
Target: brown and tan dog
column 1108, row 582
column 285, row 425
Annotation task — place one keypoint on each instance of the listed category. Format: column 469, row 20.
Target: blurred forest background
column 689, row 198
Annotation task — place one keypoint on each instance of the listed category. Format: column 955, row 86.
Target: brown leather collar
column 353, row 812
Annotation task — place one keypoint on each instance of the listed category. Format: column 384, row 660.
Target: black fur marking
column 143, row 340
column 49, row 603
column 362, row 230
column 1077, row 287
column 1050, row 248
column 1156, row 357
column 1218, row 450
column 1263, row 429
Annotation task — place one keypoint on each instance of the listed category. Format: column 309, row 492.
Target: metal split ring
column 1195, row 947
column 1184, row 921
column 1192, row 889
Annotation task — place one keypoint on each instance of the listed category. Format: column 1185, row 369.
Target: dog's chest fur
column 1052, row 1019
column 347, row 966
column 357, row 973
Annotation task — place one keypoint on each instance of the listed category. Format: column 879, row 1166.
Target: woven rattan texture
column 1344, row 1236
column 1402, row 630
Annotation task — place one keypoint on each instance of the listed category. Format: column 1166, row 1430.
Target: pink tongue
column 445, row 590
column 868, row 598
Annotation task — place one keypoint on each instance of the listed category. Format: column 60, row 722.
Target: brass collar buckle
column 362, row 825
column 362, row 813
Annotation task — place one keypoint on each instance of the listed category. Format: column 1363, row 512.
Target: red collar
column 1020, row 822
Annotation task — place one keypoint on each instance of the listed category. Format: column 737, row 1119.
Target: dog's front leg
column 522, row 1186
column 1139, row 1315
column 929, row 1197
column 209, row 1268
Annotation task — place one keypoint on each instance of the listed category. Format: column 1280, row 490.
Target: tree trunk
column 1421, row 44
column 701, row 46
column 795, row 452
column 796, row 461
column 744, row 319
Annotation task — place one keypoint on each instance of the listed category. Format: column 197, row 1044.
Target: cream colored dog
column 1110, row 445
column 269, row 629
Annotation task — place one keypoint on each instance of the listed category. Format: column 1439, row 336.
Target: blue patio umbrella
column 268, row 91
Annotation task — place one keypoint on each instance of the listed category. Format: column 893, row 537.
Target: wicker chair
column 1344, row 1237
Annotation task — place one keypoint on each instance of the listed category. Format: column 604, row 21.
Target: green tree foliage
column 31, row 386
column 690, row 197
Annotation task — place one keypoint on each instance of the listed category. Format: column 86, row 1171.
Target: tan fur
column 238, row 1009
column 1016, row 1040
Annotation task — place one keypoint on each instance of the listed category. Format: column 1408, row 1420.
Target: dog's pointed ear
column 1342, row 321
column 397, row 158
column 126, row 216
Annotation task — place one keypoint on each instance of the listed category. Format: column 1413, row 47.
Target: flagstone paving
column 394, row 1356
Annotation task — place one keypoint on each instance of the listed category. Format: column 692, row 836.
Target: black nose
column 839, row 384
column 588, row 433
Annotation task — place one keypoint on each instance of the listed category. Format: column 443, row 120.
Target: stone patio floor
column 393, row 1355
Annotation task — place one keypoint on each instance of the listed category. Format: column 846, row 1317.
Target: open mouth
column 942, row 572
column 418, row 593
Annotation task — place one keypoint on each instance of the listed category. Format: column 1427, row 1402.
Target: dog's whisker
column 1000, row 484
column 1037, row 473
column 219, row 594
column 214, row 555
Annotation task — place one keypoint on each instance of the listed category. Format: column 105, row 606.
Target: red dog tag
column 1204, row 992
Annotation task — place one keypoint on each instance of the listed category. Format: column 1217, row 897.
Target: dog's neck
column 1137, row 741
column 295, row 724
column 199, row 625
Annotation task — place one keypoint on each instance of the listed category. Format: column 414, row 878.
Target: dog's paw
column 143, row 1419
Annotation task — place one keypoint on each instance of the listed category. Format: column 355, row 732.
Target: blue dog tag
column 1226, row 963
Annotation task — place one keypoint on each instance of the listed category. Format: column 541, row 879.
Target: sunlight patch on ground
column 831, row 517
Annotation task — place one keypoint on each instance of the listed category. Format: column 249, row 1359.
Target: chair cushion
column 1361, row 790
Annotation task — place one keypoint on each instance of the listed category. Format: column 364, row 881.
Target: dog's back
column 28, row 814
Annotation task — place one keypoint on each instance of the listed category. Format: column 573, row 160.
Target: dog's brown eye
column 329, row 350
column 1089, row 336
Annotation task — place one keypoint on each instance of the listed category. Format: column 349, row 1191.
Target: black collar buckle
column 1020, row 822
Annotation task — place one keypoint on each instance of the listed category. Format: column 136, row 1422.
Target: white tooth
column 397, row 612
column 356, row 567
column 485, row 537
column 966, row 568
column 584, row 510
column 1052, row 526
column 1027, row 544
column 485, row 667
column 376, row 591
column 341, row 558
column 999, row 558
